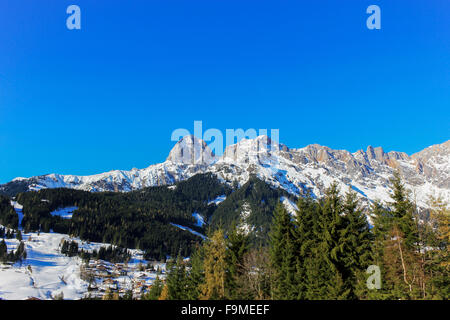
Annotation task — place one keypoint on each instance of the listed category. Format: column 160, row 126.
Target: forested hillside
column 328, row 251
column 8, row 216
column 251, row 205
column 144, row 218
column 139, row 219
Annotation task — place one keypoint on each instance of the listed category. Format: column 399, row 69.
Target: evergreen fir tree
column 238, row 245
column 357, row 239
column 155, row 290
column 282, row 255
column 396, row 247
column 437, row 259
column 196, row 274
column 305, row 218
column 176, row 279
column 3, row 250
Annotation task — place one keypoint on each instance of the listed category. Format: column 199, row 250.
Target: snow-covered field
column 65, row 213
column 46, row 273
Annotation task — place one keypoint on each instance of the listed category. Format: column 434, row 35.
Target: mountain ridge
column 296, row 170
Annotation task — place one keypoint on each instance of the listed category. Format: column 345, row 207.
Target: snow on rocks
column 313, row 168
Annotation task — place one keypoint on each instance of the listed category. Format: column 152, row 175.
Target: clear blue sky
column 108, row 96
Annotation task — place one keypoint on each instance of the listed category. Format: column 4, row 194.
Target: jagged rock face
column 309, row 169
column 190, row 151
column 434, row 163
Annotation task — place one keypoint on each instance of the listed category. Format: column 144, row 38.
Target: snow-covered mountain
column 313, row 167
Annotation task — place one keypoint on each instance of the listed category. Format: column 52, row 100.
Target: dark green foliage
column 13, row 256
column 155, row 291
column 112, row 254
column 19, row 235
column 261, row 199
column 139, row 219
column 8, row 216
column 109, row 253
column 324, row 252
column 201, row 187
column 305, row 241
column 176, row 279
column 357, row 241
column 282, row 255
column 238, row 245
column 11, row 189
column 3, row 250
column 196, row 274
column 9, row 234
column 398, row 250
column 69, row 248
column 402, row 210
column 21, row 253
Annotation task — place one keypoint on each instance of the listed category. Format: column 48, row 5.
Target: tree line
column 139, row 219
column 12, row 256
column 106, row 253
column 323, row 252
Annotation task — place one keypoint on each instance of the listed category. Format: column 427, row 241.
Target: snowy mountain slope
column 313, row 168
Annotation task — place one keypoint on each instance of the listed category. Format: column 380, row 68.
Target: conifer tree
column 358, row 240
column 3, row 250
column 438, row 264
column 176, row 279
column 155, row 290
column 403, row 210
column 282, row 255
column 196, row 274
column 305, row 218
column 396, row 247
column 332, row 225
column 238, row 245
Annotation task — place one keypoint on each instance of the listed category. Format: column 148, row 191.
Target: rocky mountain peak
column 313, row 168
column 261, row 145
column 191, row 150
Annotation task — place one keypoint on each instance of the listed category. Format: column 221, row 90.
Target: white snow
column 314, row 167
column 41, row 275
column 19, row 210
column 65, row 213
column 46, row 272
column 189, row 229
column 218, row 200
column 290, row 206
column 200, row 219
column 244, row 226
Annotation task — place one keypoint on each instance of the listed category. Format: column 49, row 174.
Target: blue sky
column 108, row 96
